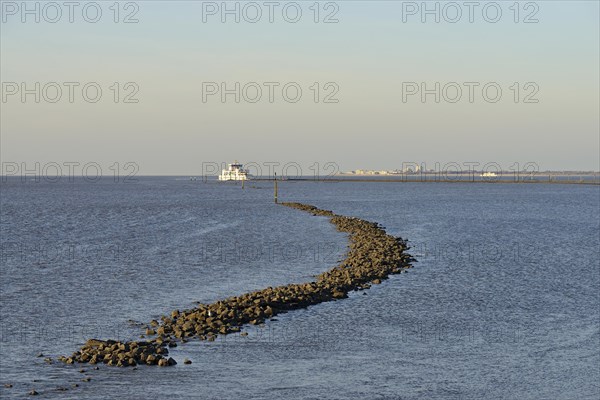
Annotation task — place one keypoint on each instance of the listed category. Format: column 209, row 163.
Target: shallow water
column 502, row 304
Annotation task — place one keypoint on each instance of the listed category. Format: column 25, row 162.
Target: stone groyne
column 373, row 255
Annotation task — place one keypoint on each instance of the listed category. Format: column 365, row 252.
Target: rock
column 373, row 255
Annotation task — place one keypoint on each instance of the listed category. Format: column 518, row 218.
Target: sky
column 354, row 84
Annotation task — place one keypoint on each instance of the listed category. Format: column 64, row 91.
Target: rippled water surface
column 503, row 303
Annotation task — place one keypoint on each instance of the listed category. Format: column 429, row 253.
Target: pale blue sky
column 369, row 53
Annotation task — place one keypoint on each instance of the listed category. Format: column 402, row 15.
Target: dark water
column 503, row 303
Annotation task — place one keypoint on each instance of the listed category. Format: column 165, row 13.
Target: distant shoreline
column 593, row 180
column 432, row 179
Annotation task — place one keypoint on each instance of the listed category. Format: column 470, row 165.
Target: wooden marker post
column 275, row 187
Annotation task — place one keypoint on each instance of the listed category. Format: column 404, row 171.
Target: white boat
column 234, row 172
column 489, row 174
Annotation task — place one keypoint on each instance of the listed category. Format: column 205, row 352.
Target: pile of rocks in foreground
column 122, row 354
column 372, row 257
